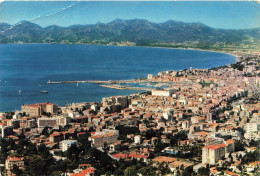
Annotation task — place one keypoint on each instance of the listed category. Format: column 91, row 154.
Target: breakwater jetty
column 99, row 82
column 110, row 84
column 116, row 86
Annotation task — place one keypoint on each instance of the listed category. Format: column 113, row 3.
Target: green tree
column 253, row 143
column 159, row 147
column 63, row 165
column 45, row 132
column 239, row 146
column 16, row 170
column 73, row 152
column 44, row 151
column 188, row 171
column 147, row 171
column 130, row 171
column 150, row 133
column 163, row 168
column 203, row 171
column 37, row 165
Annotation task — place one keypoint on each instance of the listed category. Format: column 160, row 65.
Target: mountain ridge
column 134, row 30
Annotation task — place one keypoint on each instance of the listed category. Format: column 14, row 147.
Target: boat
column 20, row 92
column 44, row 91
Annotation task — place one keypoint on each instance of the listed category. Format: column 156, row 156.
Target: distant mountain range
column 136, row 30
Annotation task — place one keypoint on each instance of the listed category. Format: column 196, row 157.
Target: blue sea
column 27, row 67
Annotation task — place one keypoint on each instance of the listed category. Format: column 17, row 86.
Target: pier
column 68, row 82
column 116, row 86
column 110, row 84
column 98, row 82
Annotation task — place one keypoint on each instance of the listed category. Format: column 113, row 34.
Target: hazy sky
column 227, row 14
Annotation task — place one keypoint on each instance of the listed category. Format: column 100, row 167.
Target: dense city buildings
column 193, row 121
column 39, row 109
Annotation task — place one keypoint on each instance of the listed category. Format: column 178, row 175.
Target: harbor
column 110, row 84
column 147, row 84
column 99, row 82
column 116, row 86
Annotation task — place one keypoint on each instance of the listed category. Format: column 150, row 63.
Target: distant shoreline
column 196, row 49
column 193, row 49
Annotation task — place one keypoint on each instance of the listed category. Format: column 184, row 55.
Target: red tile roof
column 214, row 147
column 85, row 172
column 85, row 165
column 230, row 173
column 15, row 158
column 230, row 141
column 164, row 159
column 120, row 155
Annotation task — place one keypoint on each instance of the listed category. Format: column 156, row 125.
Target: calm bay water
column 28, row 67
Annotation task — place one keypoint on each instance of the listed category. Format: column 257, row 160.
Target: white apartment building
column 11, row 161
column 100, row 138
column 213, row 153
column 214, row 138
column 159, row 92
column 138, row 139
column 51, row 122
column 234, row 133
column 252, row 131
column 66, row 144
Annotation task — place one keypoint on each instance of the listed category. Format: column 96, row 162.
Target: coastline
column 192, row 49
column 195, row 49
column 146, row 47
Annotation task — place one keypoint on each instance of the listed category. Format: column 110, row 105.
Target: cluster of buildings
column 213, row 153
column 10, row 162
column 99, row 139
column 38, row 109
column 212, row 107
